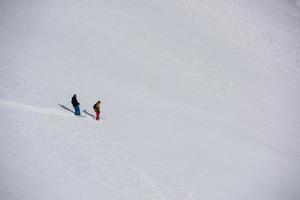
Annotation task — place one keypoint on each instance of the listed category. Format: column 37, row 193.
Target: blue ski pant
column 77, row 110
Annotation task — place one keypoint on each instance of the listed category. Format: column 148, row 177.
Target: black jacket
column 74, row 101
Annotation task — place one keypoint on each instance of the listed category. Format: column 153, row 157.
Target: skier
column 97, row 109
column 75, row 104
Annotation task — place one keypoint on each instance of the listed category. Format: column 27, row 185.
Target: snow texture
column 201, row 99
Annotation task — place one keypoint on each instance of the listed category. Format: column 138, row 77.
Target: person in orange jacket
column 97, row 109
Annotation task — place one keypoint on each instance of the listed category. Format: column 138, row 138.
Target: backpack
column 94, row 106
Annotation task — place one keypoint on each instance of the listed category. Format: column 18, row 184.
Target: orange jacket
column 97, row 107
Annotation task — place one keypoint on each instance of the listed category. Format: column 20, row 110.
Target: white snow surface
column 201, row 99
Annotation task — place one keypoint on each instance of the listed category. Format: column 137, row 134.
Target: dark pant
column 77, row 110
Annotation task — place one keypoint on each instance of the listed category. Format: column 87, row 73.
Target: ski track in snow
column 32, row 108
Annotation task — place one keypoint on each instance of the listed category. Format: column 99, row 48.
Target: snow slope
column 201, row 99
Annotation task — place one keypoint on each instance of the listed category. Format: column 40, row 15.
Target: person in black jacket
column 75, row 104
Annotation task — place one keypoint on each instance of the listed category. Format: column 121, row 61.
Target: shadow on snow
column 70, row 110
column 66, row 108
column 86, row 112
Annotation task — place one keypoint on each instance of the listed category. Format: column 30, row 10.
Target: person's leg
column 97, row 115
column 77, row 112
